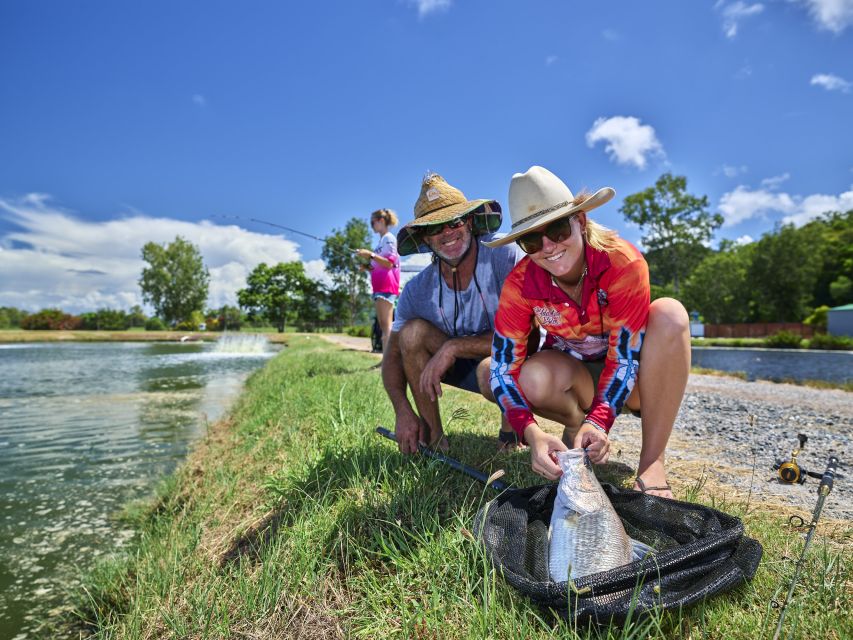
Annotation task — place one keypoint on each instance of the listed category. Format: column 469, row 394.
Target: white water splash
column 250, row 343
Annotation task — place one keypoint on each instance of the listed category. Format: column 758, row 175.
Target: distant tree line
column 789, row 275
column 175, row 283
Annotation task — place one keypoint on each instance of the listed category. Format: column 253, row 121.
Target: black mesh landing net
column 699, row 552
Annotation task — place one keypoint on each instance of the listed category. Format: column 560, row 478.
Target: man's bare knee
column 414, row 334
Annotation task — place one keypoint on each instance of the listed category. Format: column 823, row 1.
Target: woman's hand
column 595, row 441
column 542, row 448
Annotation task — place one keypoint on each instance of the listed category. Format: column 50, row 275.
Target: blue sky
column 124, row 122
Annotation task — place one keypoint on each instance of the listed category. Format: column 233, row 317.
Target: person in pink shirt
column 384, row 269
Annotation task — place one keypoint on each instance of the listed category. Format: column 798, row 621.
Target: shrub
column 836, row 343
column 783, row 340
column 155, row 324
column 51, row 319
column 358, row 330
column 818, row 319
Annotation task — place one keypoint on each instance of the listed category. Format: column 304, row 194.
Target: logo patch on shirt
column 547, row 316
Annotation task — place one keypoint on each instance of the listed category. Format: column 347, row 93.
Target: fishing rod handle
column 828, row 476
column 497, row 485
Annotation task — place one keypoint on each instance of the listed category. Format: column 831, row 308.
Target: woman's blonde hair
column 387, row 215
column 596, row 235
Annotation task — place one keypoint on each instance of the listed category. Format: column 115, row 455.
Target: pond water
column 778, row 364
column 84, row 429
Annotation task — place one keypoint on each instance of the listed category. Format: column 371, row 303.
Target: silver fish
column 586, row 534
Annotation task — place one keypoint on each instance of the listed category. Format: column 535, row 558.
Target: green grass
column 295, row 520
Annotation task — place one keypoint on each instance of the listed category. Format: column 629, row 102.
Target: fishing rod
column 348, row 253
column 823, row 490
column 471, row 472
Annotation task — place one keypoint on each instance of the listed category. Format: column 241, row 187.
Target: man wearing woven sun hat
column 442, row 331
column 605, row 344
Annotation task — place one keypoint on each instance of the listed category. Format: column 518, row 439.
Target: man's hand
column 595, row 441
column 409, row 431
column 542, row 448
column 437, row 366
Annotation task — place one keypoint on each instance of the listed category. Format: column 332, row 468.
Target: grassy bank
column 294, row 520
column 132, row 335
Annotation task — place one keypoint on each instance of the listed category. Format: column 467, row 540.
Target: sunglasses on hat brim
column 558, row 231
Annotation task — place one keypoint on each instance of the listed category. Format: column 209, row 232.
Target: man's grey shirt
column 475, row 313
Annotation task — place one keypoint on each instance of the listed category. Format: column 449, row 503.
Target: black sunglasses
column 435, row 229
column 557, row 231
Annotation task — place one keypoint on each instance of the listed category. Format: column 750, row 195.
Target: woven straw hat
column 440, row 202
column 537, row 197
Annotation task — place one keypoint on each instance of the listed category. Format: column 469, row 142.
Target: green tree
column 312, row 309
column 11, row 317
column 136, row 316
column 718, row 288
column 105, row 320
column 274, row 292
column 175, row 282
column 676, row 226
column 785, row 267
column 345, row 269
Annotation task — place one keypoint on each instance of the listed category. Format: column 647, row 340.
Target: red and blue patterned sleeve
column 513, row 324
column 625, row 308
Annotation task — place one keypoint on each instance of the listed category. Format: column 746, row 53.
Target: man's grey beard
column 455, row 262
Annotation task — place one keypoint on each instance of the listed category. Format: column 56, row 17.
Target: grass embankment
column 131, row 335
column 295, row 520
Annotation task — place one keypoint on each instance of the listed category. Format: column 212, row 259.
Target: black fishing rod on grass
column 471, row 472
column 822, row 491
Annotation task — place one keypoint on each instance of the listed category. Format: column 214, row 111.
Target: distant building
column 840, row 321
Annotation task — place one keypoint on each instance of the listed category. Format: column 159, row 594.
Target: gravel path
column 714, row 436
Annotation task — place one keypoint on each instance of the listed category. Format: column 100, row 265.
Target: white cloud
column 733, row 172
column 57, row 259
column 200, row 100
column 814, row 205
column 425, row 7
column 744, row 203
column 627, row 141
column 831, row 82
column 832, row 15
column 550, row 60
column 735, row 12
column 744, row 239
column 744, row 72
column 775, row 182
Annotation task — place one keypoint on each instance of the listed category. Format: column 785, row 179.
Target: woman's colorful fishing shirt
column 609, row 323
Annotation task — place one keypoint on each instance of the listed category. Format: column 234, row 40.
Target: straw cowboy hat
column 538, row 197
column 439, row 203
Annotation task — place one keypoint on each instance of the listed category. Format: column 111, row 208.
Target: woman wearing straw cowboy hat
column 588, row 290
column 445, row 315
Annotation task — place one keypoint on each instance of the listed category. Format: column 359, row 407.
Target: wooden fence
column 756, row 329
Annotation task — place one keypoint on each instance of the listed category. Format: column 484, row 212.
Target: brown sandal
column 645, row 489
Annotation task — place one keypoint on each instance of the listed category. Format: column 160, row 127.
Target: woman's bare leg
column 664, row 367
column 385, row 315
column 558, row 387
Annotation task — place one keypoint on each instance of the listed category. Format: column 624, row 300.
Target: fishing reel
column 790, row 471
